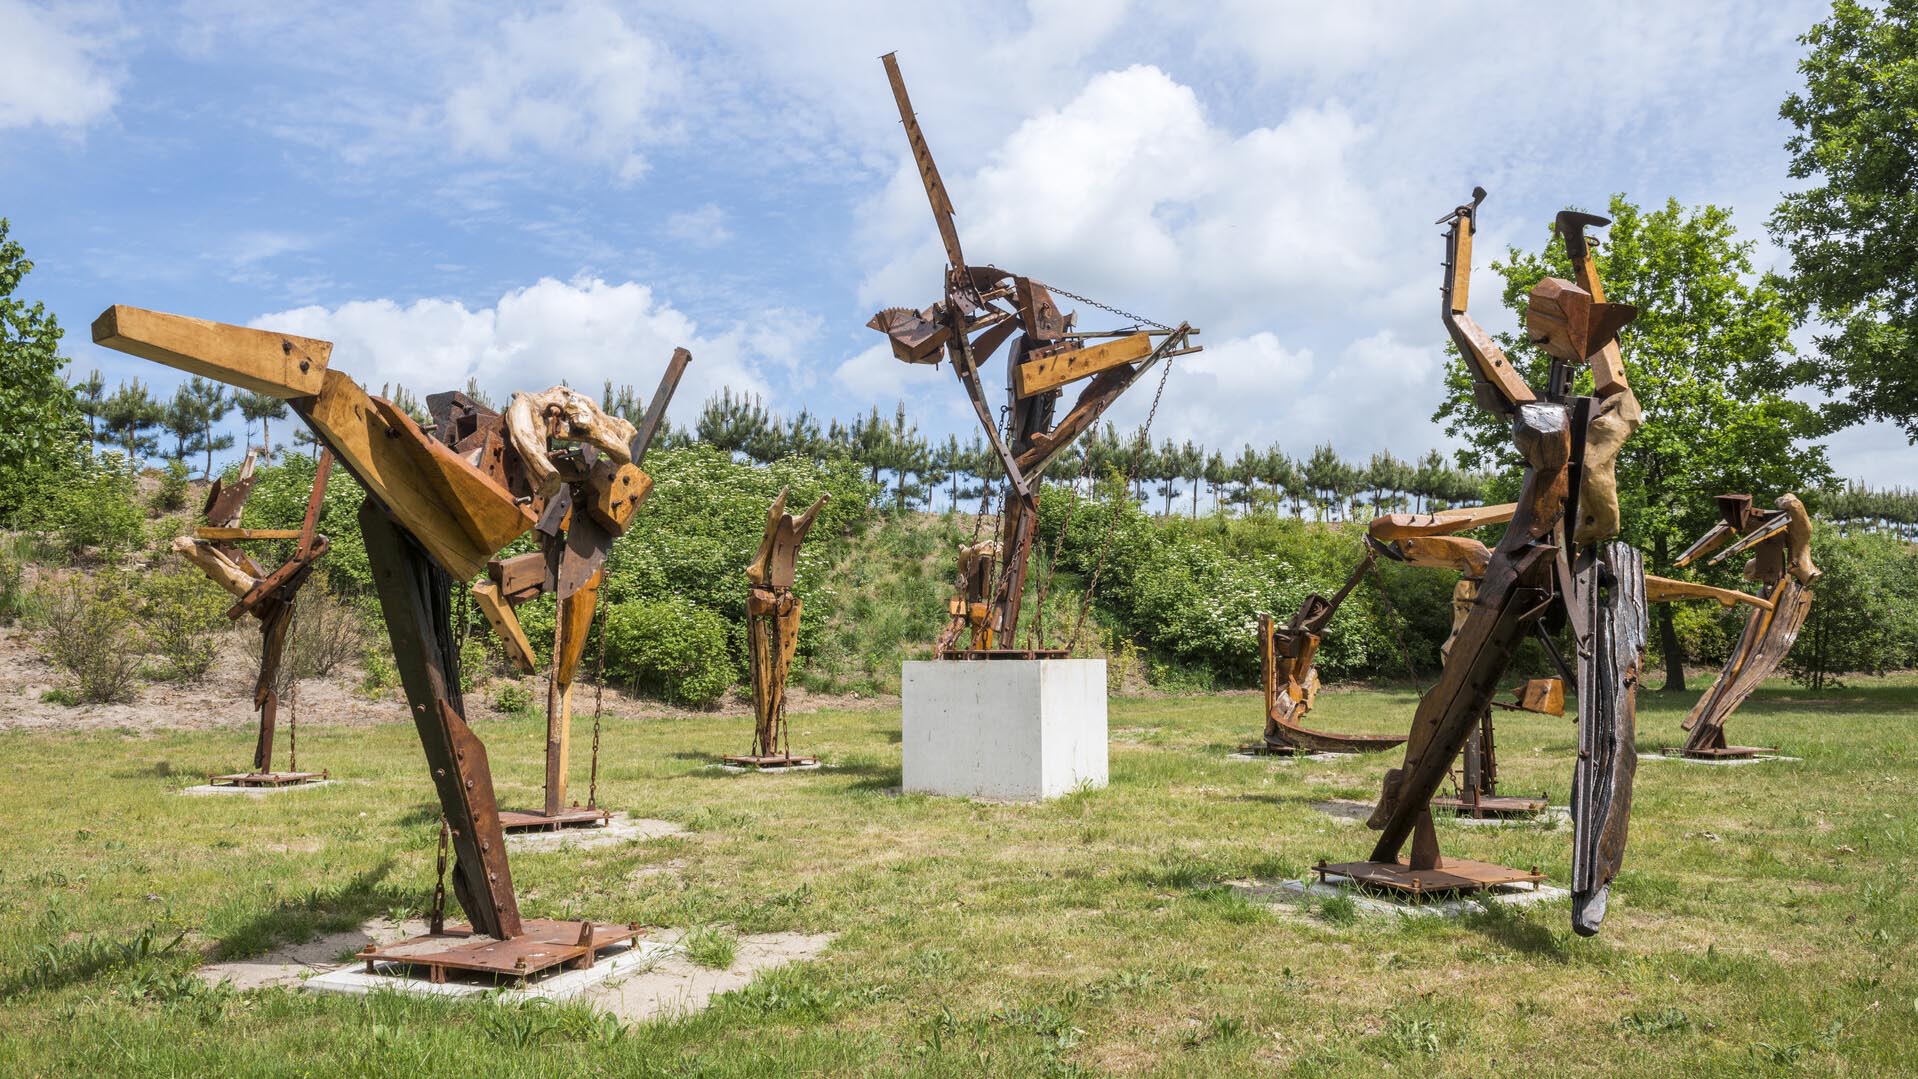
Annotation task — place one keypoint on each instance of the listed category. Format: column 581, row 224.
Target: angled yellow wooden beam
column 278, row 364
column 1665, row 590
column 208, row 532
column 458, row 513
column 1049, row 372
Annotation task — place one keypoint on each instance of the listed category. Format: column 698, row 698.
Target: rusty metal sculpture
column 983, row 308
column 1291, row 680
column 1780, row 546
column 268, row 597
column 1554, row 558
column 772, row 633
column 437, row 510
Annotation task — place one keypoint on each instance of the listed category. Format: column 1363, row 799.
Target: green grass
column 1764, row 923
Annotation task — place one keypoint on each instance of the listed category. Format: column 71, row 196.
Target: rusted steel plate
column 1455, row 876
column 542, row 945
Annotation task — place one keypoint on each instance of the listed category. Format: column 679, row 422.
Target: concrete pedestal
column 1019, row 729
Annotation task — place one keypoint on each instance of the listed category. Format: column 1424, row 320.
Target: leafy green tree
column 213, row 402
column 182, row 420
column 40, row 424
column 1853, row 233
column 1710, row 359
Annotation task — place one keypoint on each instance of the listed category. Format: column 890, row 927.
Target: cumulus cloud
column 51, row 70
column 579, row 80
column 1130, row 192
column 580, row 332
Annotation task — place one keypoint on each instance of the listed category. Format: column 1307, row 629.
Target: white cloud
column 704, row 227
column 51, row 70
column 580, row 332
column 1130, row 193
column 576, row 81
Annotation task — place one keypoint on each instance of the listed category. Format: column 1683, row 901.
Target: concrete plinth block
column 1014, row 729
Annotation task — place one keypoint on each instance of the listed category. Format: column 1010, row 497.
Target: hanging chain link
column 599, row 693
column 438, row 913
column 1070, row 295
column 1143, row 444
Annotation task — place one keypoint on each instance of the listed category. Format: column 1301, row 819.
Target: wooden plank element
column 278, row 364
column 1665, row 589
column 520, row 577
column 571, row 623
column 455, row 511
column 1055, row 370
column 616, row 491
column 1398, row 526
column 505, row 626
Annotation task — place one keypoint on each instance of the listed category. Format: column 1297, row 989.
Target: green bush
column 183, row 614
column 512, row 698
column 89, row 629
column 1864, row 610
column 170, row 496
column 669, row 647
column 95, row 511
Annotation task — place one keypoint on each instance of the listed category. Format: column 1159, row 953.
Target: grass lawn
column 1764, row 922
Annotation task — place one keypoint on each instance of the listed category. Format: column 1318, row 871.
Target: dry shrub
column 88, row 629
column 325, row 634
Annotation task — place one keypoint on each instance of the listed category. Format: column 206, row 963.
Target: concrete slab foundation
column 1309, row 894
column 1717, row 762
column 619, row 829
column 1013, row 729
column 199, row 789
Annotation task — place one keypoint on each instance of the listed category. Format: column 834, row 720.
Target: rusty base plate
column 769, row 760
column 1453, row 876
column 1267, row 749
column 1721, row 753
column 519, row 820
column 266, row 779
column 1495, row 805
column 1006, row 653
column 542, row 945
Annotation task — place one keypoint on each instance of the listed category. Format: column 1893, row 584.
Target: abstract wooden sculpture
column 772, row 633
column 589, row 494
column 1551, row 559
column 983, row 308
column 437, row 509
column 1780, row 545
column 268, row 597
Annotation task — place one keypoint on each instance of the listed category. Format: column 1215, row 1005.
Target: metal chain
column 1105, row 548
column 1058, row 548
column 599, row 692
column 1139, row 319
column 438, row 913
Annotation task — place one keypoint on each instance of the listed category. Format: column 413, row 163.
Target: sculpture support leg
column 773, row 636
column 571, row 623
column 266, row 694
column 1610, row 588
column 416, row 599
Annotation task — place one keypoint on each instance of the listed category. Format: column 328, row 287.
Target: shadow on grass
column 318, row 910
column 424, row 813
column 871, row 775
column 1510, row 928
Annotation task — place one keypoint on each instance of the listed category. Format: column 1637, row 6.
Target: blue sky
column 530, row 193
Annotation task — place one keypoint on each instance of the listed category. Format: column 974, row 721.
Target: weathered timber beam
column 1049, row 372
column 277, row 364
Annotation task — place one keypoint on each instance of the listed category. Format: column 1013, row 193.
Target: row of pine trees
column 918, row 473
